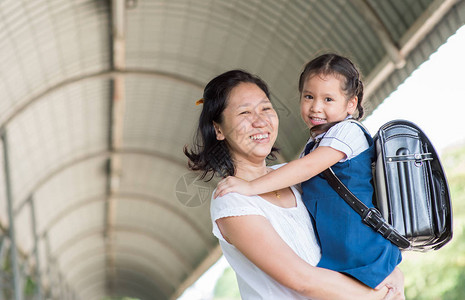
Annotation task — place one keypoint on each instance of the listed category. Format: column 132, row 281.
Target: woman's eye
column 244, row 112
column 267, row 108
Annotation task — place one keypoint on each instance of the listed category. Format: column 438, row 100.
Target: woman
column 267, row 239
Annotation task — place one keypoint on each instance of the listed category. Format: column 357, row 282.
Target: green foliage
column 436, row 275
column 226, row 287
column 29, row 286
column 6, row 274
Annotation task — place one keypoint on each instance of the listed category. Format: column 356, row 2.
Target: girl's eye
column 328, row 99
column 309, row 97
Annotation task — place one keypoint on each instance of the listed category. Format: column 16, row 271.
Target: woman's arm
column 255, row 237
column 292, row 173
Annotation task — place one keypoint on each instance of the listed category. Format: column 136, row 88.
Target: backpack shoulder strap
column 370, row 216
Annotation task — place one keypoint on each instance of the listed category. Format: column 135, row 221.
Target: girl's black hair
column 208, row 154
column 334, row 64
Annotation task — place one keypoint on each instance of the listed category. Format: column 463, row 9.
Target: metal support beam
column 55, row 278
column 209, row 260
column 409, row 41
column 3, row 249
column 50, row 288
column 118, row 93
column 372, row 18
column 11, row 220
column 38, row 292
column 61, row 285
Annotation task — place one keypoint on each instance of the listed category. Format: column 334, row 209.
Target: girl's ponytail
column 359, row 94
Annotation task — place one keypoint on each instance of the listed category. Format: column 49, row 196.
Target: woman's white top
column 292, row 224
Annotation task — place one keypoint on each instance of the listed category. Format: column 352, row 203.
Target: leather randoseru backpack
column 412, row 200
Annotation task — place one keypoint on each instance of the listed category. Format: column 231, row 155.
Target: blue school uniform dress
column 348, row 245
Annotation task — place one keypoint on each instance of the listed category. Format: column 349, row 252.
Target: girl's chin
column 312, row 123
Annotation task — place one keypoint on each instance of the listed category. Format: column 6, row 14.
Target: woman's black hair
column 334, row 64
column 208, row 154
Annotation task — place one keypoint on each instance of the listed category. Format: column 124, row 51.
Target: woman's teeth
column 259, row 136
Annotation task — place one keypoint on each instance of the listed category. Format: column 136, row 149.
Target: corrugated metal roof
column 97, row 102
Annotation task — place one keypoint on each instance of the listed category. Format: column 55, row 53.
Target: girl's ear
column 219, row 134
column 352, row 105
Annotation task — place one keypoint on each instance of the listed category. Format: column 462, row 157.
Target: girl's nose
column 316, row 106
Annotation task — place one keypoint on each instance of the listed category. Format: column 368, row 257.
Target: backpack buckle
column 372, row 217
column 418, row 159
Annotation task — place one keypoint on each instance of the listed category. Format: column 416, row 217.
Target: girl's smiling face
column 249, row 124
column 324, row 101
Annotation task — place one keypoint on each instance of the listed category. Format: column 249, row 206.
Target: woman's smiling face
column 249, row 125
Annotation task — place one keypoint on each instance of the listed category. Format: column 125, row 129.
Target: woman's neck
column 250, row 171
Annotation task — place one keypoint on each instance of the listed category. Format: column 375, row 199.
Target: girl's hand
column 393, row 294
column 395, row 283
column 233, row 184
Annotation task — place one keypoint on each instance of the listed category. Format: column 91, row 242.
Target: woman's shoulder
column 231, row 198
column 234, row 204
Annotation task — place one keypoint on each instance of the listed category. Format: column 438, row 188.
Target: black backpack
column 412, row 200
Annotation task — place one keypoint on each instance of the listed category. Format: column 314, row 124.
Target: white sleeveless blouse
column 292, row 224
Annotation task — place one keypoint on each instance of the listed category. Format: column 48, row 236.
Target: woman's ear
column 219, row 134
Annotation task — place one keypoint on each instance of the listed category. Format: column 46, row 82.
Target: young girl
column 331, row 91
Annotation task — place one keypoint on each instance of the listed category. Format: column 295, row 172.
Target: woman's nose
column 259, row 120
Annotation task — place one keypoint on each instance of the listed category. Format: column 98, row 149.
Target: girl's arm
column 255, row 237
column 292, row 173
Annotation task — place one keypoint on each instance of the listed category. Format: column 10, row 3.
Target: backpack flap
column 411, row 188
